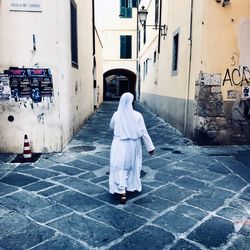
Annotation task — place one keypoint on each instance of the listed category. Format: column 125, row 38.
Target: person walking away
column 126, row 149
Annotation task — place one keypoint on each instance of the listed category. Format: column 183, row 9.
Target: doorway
column 116, row 82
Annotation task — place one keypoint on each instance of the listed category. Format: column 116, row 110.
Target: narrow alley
column 193, row 197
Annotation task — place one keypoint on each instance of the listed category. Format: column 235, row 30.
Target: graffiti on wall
column 237, row 76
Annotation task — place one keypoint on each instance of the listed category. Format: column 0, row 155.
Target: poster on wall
column 25, row 5
column 30, row 83
column 4, row 88
column 18, row 81
column 41, row 82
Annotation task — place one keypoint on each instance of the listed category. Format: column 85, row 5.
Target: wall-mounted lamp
column 223, row 2
column 142, row 16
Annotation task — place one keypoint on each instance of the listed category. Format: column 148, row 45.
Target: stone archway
column 116, row 82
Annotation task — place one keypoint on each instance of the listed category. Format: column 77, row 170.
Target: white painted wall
column 73, row 88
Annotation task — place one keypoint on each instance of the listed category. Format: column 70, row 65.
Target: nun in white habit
column 126, row 148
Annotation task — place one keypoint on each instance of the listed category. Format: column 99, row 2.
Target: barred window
column 73, row 25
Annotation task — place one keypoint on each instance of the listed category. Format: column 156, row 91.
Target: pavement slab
column 148, row 238
column 193, row 197
column 174, row 222
column 154, row 203
column 18, row 180
column 210, row 199
column 94, row 233
column 60, row 242
column 11, row 220
column 117, row 218
column 184, row 245
column 214, row 232
column 77, row 201
column 173, row 193
column 26, row 237
column 50, row 213
column 24, row 202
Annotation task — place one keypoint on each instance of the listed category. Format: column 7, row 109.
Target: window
column 135, row 3
column 125, row 47
column 144, row 70
column 126, row 8
column 156, row 12
column 73, row 24
column 155, row 57
column 175, row 53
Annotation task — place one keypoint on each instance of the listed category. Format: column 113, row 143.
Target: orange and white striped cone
column 26, row 148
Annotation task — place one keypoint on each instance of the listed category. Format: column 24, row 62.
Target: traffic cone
column 26, row 148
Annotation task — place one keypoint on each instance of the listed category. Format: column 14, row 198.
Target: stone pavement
column 193, row 197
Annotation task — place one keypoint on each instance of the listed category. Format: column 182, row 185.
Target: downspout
column 137, row 54
column 189, row 68
column 94, row 60
column 159, row 33
column 93, row 25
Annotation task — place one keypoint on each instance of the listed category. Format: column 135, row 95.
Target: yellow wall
column 228, row 47
column 212, row 66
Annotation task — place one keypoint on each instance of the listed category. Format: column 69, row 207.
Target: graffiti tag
column 238, row 76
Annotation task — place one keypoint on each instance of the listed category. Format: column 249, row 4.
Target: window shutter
column 128, row 46
column 156, row 12
column 129, row 12
column 134, row 3
column 122, row 8
column 122, row 3
column 122, row 46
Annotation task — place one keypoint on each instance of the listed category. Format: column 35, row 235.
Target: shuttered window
column 135, row 3
column 156, row 12
column 125, row 47
column 73, row 25
column 126, row 8
column 175, row 54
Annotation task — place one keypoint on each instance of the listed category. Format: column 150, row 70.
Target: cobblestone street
column 193, row 197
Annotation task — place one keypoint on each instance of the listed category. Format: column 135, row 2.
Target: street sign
column 25, row 5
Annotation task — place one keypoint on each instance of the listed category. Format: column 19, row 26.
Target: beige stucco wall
column 219, row 55
column 166, row 93
column 110, row 26
column 228, row 48
column 98, row 73
column 49, row 125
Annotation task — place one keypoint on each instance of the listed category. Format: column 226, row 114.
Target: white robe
column 126, row 157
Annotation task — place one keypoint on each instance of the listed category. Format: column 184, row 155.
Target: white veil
column 126, row 125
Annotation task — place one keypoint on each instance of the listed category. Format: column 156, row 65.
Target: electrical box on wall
column 225, row 2
column 245, row 92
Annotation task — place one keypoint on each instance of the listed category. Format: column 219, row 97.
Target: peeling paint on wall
column 210, row 123
column 243, row 42
column 208, row 96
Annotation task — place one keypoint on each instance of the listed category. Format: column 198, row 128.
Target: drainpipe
column 189, row 67
column 93, row 25
column 159, row 34
column 138, row 80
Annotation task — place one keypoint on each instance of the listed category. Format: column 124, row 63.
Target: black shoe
column 123, row 198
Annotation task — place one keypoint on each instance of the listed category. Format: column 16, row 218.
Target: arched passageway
column 116, row 82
